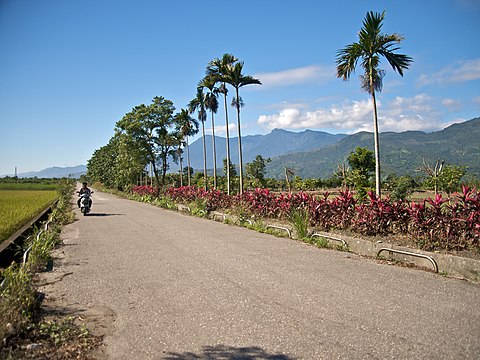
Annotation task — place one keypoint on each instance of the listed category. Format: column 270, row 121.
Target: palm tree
column 234, row 77
column 198, row 104
column 211, row 103
column 187, row 126
column 218, row 69
column 371, row 45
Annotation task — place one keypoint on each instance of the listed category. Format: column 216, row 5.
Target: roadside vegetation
column 438, row 223
column 24, row 333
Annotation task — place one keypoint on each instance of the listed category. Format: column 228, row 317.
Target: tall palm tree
column 234, row 77
column 218, row 69
column 187, row 126
column 198, row 104
column 211, row 103
column 371, row 45
column 179, row 154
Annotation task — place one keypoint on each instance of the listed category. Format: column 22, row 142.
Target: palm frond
column 249, row 80
column 347, row 59
column 238, row 103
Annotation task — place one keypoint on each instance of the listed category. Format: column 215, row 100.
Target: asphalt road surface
column 180, row 287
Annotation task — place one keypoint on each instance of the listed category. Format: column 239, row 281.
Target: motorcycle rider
column 84, row 190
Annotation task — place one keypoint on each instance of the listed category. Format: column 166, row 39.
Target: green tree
column 101, row 166
column 211, row 103
column 218, row 68
column 362, row 163
column 234, row 77
column 362, row 159
column 449, row 178
column 257, row 168
column 197, row 104
column 231, row 168
column 150, row 128
column 188, row 171
column 117, row 164
column 130, row 162
column 400, row 187
column 371, row 46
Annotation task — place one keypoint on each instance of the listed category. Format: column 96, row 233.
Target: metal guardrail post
column 281, row 228
column 47, row 224
column 219, row 214
column 331, row 238
column 25, row 254
column 435, row 266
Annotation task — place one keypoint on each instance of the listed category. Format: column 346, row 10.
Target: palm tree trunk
column 287, row 181
column 204, row 155
column 188, row 163
column 214, row 155
column 228, row 143
column 240, row 157
column 151, row 175
column 377, row 146
column 181, row 170
column 157, row 177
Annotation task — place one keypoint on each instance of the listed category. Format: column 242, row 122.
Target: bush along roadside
column 20, row 322
column 450, row 224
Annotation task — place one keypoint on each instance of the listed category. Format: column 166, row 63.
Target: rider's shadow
column 104, row 214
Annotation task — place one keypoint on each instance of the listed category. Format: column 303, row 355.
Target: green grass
column 17, row 207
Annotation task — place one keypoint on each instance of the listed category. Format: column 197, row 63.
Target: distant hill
column 56, row 172
column 400, row 153
column 316, row 154
column 276, row 143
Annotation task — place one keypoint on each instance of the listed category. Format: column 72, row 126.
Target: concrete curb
column 448, row 265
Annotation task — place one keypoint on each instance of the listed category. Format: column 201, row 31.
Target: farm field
column 21, row 202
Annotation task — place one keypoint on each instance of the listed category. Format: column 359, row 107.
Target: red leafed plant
column 144, row 190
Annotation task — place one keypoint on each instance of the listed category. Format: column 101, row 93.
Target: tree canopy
column 152, row 129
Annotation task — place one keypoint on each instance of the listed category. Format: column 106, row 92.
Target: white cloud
column 476, row 100
column 312, row 73
column 451, row 104
column 222, row 129
column 462, row 71
column 346, row 116
column 400, row 114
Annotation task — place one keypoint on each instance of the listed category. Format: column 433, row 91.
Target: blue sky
column 69, row 70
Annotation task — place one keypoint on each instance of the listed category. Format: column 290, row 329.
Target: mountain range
column 56, row 172
column 278, row 142
column 316, row 154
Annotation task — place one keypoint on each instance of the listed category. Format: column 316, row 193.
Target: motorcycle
column 85, row 203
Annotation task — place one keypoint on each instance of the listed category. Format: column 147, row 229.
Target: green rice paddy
column 20, row 203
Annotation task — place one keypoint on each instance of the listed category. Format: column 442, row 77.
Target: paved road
column 180, row 287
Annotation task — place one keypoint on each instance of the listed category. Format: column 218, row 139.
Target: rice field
column 21, row 203
column 27, row 186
